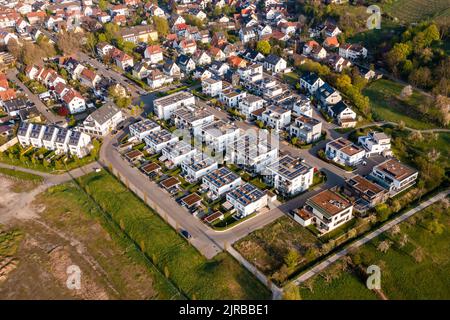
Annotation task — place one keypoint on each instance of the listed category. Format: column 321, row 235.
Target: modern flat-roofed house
column 302, row 106
column 198, row 166
column 176, row 152
column 231, row 97
column 165, row 106
column 211, row 87
column 191, row 118
column 142, row 128
column 276, row 117
column 247, row 199
column 157, row 140
column 306, row 129
column 250, row 103
column 78, row 143
column 366, row 193
column 394, row 176
column 102, row 121
column 252, row 152
column 49, row 137
column 311, row 82
column 220, row 181
column 36, row 133
column 290, row 176
column 344, row 152
column 218, row 135
column 328, row 209
column 376, row 143
column 23, row 133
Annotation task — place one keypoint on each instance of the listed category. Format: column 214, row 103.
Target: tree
column 263, row 46
column 406, row 92
column 384, row 246
column 68, row 42
column 103, row 5
column 161, row 25
column 291, row 259
column 91, row 42
column 420, row 77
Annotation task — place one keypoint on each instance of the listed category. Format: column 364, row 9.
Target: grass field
column 22, row 181
column 383, row 95
column 218, row 278
column 418, row 10
column 418, row 269
column 268, row 247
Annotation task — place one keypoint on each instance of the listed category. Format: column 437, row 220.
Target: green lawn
column 383, row 95
column 219, row 278
column 20, row 175
column 418, row 269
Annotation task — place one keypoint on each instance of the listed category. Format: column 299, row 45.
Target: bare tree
column 384, row 246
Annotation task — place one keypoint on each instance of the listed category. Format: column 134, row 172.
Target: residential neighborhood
column 220, row 126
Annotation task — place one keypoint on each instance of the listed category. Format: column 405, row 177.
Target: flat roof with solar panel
column 221, row 177
column 251, row 146
column 290, row 167
column 199, row 162
column 158, row 137
column 246, row 194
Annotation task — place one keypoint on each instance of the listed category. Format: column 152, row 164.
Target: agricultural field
column 386, row 104
column 408, row 11
column 415, row 253
column 219, row 278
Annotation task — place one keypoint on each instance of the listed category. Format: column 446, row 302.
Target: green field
column 219, row 278
column 418, row 10
column 417, row 269
column 386, row 105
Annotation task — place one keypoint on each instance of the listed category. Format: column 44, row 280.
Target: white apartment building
column 192, row 118
column 231, row 97
column 326, row 210
column 250, row 103
column 290, row 176
column 220, row 181
column 218, row 135
column 165, row 106
column 344, row 152
column 252, row 153
column 305, row 128
column 375, row 143
column 352, row 51
column 247, row 199
column 302, row 106
column 157, row 140
column 394, row 176
column 177, row 152
column 276, row 117
column 251, row 73
column 142, row 128
column 197, row 167
column 49, row 137
column 102, row 121
column 212, row 87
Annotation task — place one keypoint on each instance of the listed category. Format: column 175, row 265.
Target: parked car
column 185, row 234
